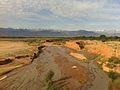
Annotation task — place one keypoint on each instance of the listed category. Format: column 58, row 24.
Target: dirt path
column 57, row 59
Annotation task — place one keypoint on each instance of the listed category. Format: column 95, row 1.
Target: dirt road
column 57, row 59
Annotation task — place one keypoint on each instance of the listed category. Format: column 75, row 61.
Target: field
column 58, row 64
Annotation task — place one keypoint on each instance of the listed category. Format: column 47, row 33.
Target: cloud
column 94, row 10
column 67, row 8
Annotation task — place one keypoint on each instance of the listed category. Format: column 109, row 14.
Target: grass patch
column 49, row 81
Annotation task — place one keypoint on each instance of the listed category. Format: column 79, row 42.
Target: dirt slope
column 57, row 59
column 73, row 45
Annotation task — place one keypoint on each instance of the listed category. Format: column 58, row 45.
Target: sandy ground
column 72, row 45
column 78, row 56
column 10, row 48
column 57, row 59
column 106, row 49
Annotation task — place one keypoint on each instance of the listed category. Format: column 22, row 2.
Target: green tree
column 103, row 38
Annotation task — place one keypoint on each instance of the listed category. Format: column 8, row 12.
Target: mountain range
column 10, row 32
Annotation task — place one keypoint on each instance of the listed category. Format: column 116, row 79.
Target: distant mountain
column 9, row 32
column 109, row 33
column 117, row 34
column 81, row 33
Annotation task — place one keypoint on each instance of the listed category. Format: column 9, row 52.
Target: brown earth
column 102, row 49
column 12, row 49
column 14, row 54
column 73, row 45
column 57, row 59
column 106, row 49
column 79, row 56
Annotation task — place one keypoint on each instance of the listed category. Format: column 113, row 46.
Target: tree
column 103, row 38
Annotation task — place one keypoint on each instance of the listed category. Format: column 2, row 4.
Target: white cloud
column 99, row 10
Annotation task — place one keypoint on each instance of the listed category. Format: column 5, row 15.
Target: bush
column 103, row 38
column 114, row 60
column 112, row 75
column 110, row 60
column 50, row 84
column 49, row 76
column 110, row 65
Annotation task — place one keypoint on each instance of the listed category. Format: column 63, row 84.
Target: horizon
column 42, row 29
column 72, row 15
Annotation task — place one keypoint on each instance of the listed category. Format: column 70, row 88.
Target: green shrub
column 103, row 38
column 49, row 81
column 111, row 65
column 114, row 60
column 49, row 76
column 113, row 75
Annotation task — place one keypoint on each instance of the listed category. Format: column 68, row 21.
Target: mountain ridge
column 10, row 32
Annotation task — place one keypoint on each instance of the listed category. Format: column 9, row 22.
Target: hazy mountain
column 109, row 33
column 117, row 34
column 9, row 32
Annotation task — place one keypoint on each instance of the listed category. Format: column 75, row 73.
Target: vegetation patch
column 114, row 60
column 49, row 81
column 113, row 75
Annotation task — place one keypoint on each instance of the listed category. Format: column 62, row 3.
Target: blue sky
column 61, row 14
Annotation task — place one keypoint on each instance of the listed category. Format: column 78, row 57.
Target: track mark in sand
column 3, row 78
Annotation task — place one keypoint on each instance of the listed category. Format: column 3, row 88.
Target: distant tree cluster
column 103, row 38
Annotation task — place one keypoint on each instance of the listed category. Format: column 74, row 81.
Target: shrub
column 49, row 76
column 110, row 65
column 50, row 84
column 114, row 60
column 112, row 75
column 103, row 38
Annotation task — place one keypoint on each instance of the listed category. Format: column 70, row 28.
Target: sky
column 61, row 14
